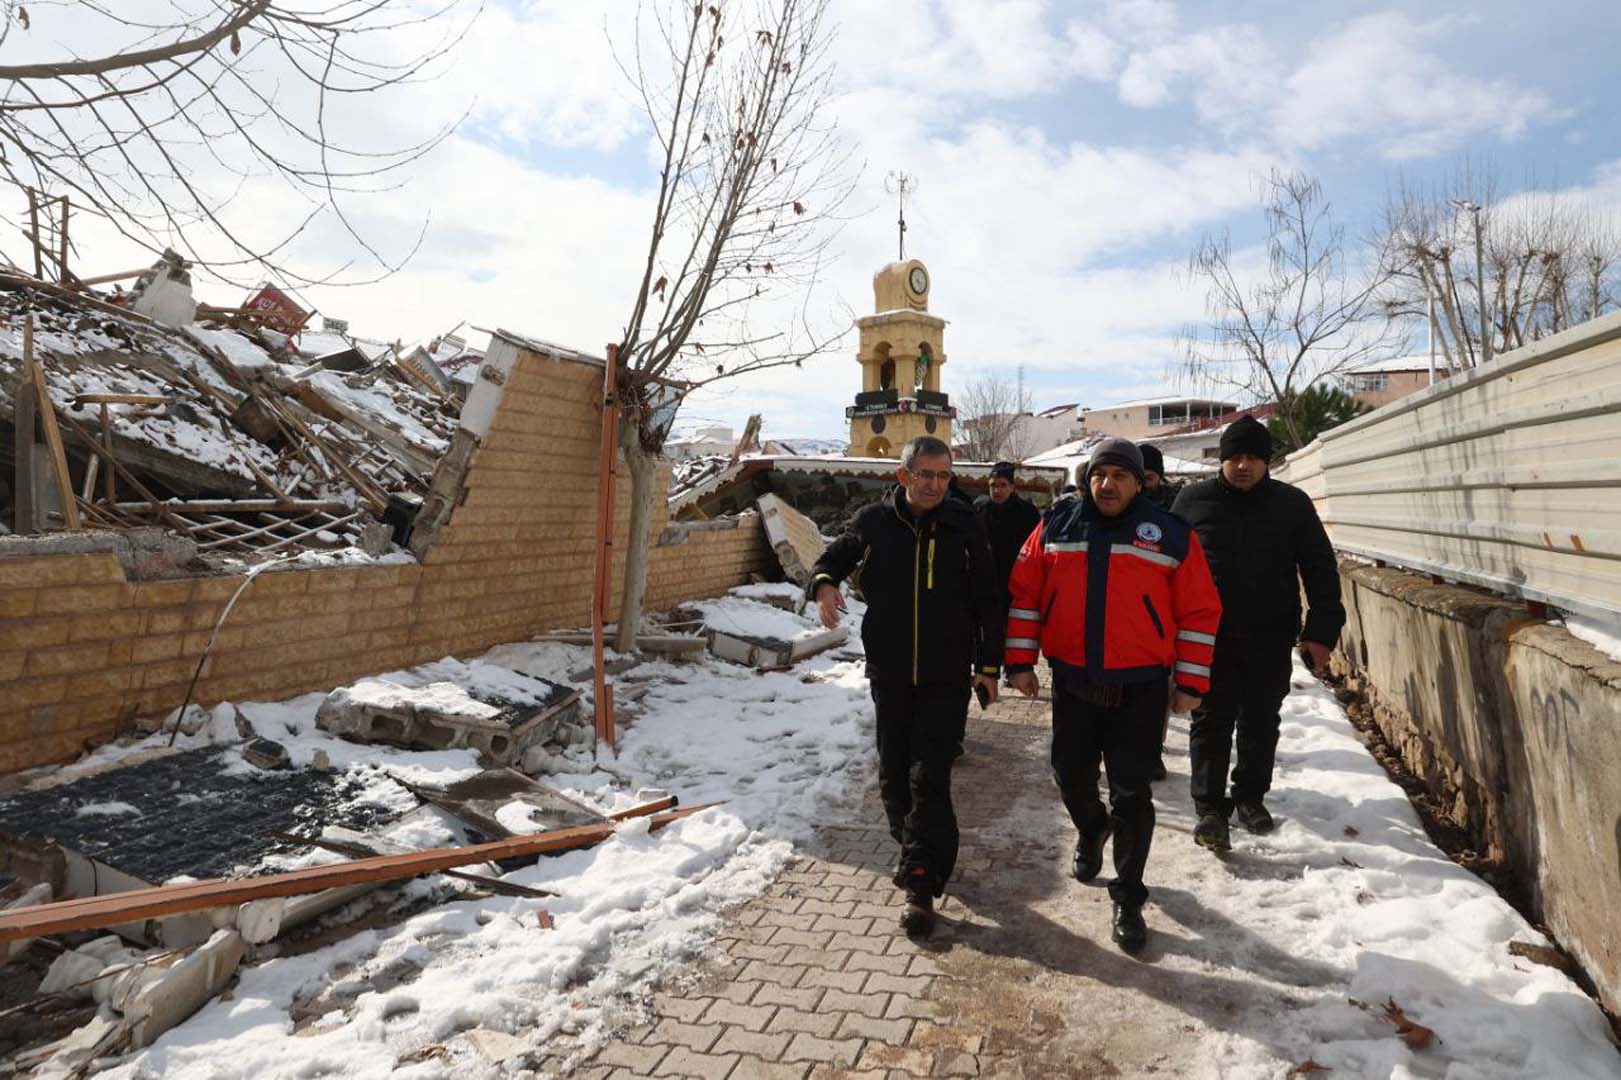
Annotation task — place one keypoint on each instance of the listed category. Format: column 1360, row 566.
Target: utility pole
column 899, row 184
column 1473, row 208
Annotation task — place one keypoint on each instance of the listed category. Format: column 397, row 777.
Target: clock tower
column 900, row 352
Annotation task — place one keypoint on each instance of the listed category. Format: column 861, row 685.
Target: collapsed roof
column 239, row 435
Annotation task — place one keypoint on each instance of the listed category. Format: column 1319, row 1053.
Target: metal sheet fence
column 1508, row 476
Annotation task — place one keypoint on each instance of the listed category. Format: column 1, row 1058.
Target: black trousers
column 919, row 728
column 1248, row 682
column 1126, row 740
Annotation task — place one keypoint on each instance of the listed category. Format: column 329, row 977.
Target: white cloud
column 1379, row 76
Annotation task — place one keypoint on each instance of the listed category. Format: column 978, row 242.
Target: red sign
column 286, row 316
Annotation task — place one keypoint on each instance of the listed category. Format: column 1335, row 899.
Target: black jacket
column 1007, row 525
column 935, row 612
column 1257, row 542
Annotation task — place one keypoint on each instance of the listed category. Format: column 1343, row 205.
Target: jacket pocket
column 1159, row 627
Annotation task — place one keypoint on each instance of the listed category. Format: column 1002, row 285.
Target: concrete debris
column 40, row 893
column 502, row 724
column 264, row 753
column 69, row 1057
column 210, row 424
column 793, row 536
column 175, row 994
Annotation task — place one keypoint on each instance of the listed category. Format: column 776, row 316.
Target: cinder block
column 16, row 603
column 67, row 661
column 35, row 633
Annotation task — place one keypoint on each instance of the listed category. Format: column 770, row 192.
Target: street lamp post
column 1473, row 208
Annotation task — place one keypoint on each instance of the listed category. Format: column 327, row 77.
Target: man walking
column 1155, row 486
column 933, row 627
column 1265, row 541
column 1008, row 518
column 1114, row 591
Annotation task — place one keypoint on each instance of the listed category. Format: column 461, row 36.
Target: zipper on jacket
column 931, row 558
column 917, row 574
column 1159, row 627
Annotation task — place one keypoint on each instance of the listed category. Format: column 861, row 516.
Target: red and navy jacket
column 1129, row 599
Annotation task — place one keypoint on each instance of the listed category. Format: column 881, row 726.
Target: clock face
column 919, row 280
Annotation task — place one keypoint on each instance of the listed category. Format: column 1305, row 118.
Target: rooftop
column 1173, row 399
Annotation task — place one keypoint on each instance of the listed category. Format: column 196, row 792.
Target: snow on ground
column 780, row 749
column 1603, row 635
column 1348, row 886
column 1351, row 888
column 751, row 619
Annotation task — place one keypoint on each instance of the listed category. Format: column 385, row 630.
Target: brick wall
column 83, row 651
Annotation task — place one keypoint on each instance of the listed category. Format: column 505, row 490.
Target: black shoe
column 1130, row 932
column 899, row 876
column 1253, row 816
column 1157, row 771
column 917, row 917
column 1089, row 855
column 1212, row 833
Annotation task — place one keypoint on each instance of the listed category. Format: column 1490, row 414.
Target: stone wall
column 84, row 649
column 1516, row 726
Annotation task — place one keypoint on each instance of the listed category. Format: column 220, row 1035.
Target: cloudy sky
column 1069, row 154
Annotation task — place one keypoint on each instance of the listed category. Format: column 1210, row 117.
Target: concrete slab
column 793, row 536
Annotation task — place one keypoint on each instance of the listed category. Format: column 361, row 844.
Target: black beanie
column 1246, row 435
column 1121, row 452
column 1153, row 460
column 1002, row 470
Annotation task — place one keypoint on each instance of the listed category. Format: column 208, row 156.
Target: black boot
column 917, row 917
column 1253, row 816
column 1089, row 855
column 1157, row 771
column 1130, row 932
column 1212, row 832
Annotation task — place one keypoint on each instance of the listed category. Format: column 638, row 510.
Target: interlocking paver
column 770, row 954
column 760, row 971
column 682, row 1008
column 834, row 1051
column 675, row 1033
column 765, row 1045
column 848, row 981
column 786, row 936
column 749, row 1068
column 904, row 1005
column 865, row 1004
column 826, row 959
column 683, row 1062
column 916, row 985
column 891, row 965
column 823, row 1024
column 750, row 1017
column 804, row 998
column 843, row 925
column 860, row 1026
column 871, row 943
column 876, row 1055
column 640, row 1060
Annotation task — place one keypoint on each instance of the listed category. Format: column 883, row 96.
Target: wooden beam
column 602, row 698
column 62, row 265
column 53, row 435
column 33, row 232
column 242, row 506
column 121, row 399
column 136, row 905
column 108, row 279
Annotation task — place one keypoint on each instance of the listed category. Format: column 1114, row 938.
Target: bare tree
column 993, row 419
column 201, row 101
column 1305, row 316
column 1547, row 263
column 752, row 177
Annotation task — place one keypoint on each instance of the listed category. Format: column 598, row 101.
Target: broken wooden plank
column 108, row 279
column 242, row 506
column 116, row 908
column 374, row 846
column 47, row 419
column 121, row 399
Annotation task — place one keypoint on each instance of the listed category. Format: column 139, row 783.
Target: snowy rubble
column 1348, row 886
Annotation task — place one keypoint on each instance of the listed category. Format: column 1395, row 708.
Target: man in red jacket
column 1115, row 592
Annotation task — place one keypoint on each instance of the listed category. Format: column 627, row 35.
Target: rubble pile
column 236, row 427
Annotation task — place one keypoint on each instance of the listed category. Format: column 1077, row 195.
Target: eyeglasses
column 943, row 475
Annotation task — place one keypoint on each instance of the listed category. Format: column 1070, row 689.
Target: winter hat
column 1246, row 435
column 1153, row 460
column 1121, row 452
column 1002, row 470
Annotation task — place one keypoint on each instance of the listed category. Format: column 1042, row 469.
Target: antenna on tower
column 1019, row 403
column 900, row 185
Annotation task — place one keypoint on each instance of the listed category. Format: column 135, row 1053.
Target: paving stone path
column 1020, row 979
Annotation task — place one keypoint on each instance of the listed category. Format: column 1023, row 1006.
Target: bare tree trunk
column 644, row 496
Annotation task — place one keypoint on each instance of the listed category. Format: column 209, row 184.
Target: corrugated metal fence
column 1508, row 476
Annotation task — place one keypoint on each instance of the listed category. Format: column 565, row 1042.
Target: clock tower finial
column 900, row 185
column 901, row 351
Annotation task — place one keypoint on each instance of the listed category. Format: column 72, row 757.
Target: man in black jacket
column 1008, row 517
column 933, row 627
column 1264, row 541
column 1155, row 486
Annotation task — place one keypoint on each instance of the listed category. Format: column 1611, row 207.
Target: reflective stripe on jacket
column 1129, row 599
